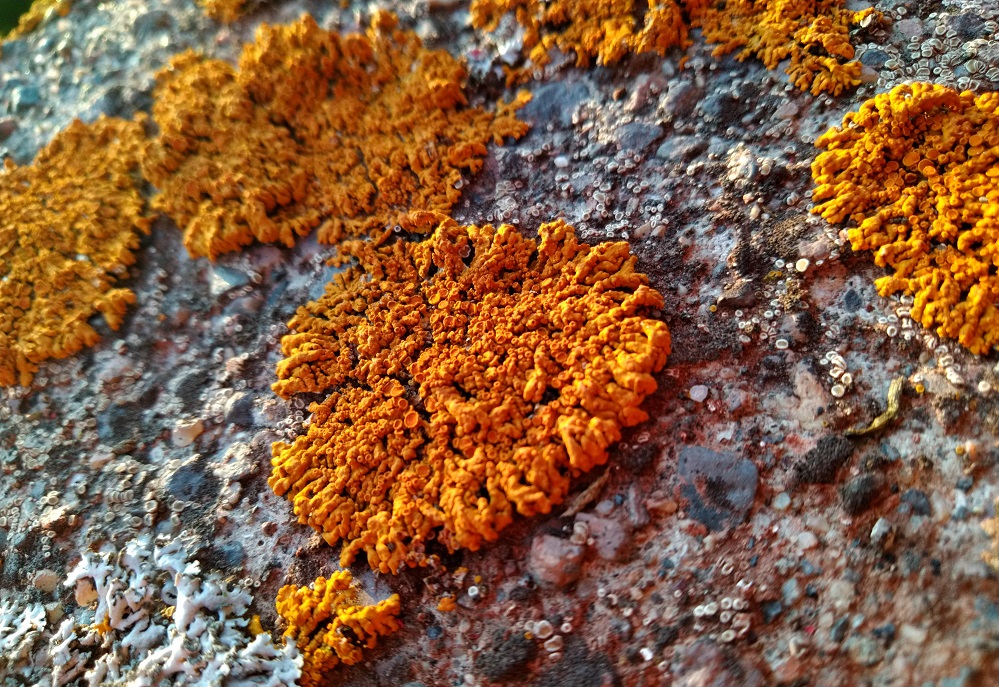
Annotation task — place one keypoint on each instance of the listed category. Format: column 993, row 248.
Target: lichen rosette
column 464, row 377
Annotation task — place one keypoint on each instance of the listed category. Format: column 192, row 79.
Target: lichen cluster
column 466, row 376
column 605, row 30
column 69, row 223
column 36, row 14
column 224, row 10
column 330, row 625
column 916, row 172
column 812, row 34
column 349, row 133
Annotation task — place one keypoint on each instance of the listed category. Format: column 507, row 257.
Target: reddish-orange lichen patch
column 68, row 225
column 813, row 34
column 605, row 30
column 224, row 10
column 916, row 170
column 349, row 133
column 331, row 626
column 466, row 376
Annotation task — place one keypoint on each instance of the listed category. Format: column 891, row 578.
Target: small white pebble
column 807, row 540
column 698, row 393
column 782, row 501
column 646, row 653
column 562, row 161
column 802, row 264
column 984, row 387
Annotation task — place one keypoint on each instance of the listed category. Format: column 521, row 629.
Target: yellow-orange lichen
column 813, row 34
column 224, row 10
column 350, row 134
column 606, row 30
column 465, row 376
column 331, row 626
column 39, row 9
column 68, row 225
column 916, row 170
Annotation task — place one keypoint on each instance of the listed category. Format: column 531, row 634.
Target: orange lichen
column 813, row 34
column 224, row 10
column 350, row 134
column 68, row 225
column 916, row 170
column 36, row 14
column 991, row 527
column 603, row 29
column 520, row 361
column 446, row 604
column 331, row 626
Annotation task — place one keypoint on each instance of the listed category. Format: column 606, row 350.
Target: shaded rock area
column 719, row 486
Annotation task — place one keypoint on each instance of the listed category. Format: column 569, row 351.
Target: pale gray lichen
column 154, row 618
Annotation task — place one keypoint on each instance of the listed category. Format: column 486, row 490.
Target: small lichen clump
column 349, row 133
column 330, row 625
column 224, row 10
column 466, row 376
column 69, row 223
column 813, row 34
column 916, row 171
column 605, row 30
column 36, row 14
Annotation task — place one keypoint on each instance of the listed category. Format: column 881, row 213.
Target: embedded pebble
column 698, row 393
column 186, row 431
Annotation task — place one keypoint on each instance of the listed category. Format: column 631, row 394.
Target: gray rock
column 555, row 562
column 917, row 500
column 858, row 494
column 739, row 294
column 224, row 279
column 968, row 25
column 611, row 539
column 874, row 58
column 153, row 22
column 555, row 102
column 638, row 136
column 838, row 631
column 7, row 127
column 681, row 99
column 239, row 409
column 864, row 650
column 719, row 486
column 681, row 148
column 24, row 97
